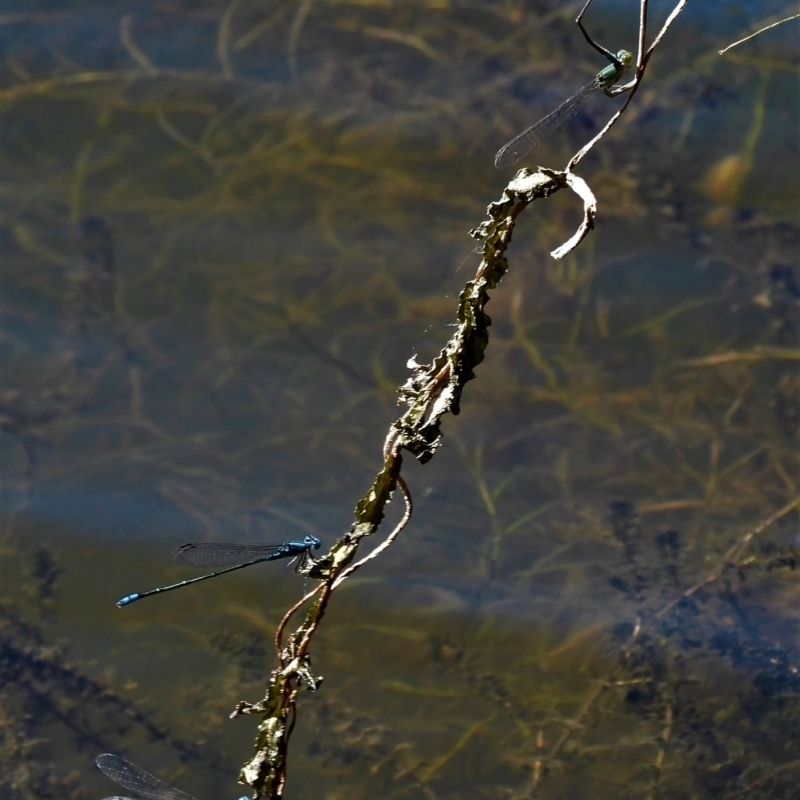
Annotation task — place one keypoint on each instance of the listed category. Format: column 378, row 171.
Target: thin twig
column 581, row 188
column 642, row 58
column 287, row 616
column 642, row 36
column 670, row 19
column 760, row 30
column 389, row 539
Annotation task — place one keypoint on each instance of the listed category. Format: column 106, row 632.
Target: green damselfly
column 527, row 141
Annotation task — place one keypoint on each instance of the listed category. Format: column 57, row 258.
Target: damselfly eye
column 625, row 58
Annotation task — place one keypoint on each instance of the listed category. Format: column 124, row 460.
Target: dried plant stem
column 642, row 59
column 760, row 30
column 432, row 391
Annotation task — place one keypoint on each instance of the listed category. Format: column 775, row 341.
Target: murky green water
column 227, row 228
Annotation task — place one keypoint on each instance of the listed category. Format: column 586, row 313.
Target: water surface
column 226, row 229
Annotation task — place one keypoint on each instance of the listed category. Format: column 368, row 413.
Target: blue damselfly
column 219, row 555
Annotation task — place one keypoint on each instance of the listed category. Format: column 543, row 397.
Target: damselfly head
column 625, row 57
column 312, row 542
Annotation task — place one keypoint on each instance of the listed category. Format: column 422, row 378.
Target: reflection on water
column 226, row 230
